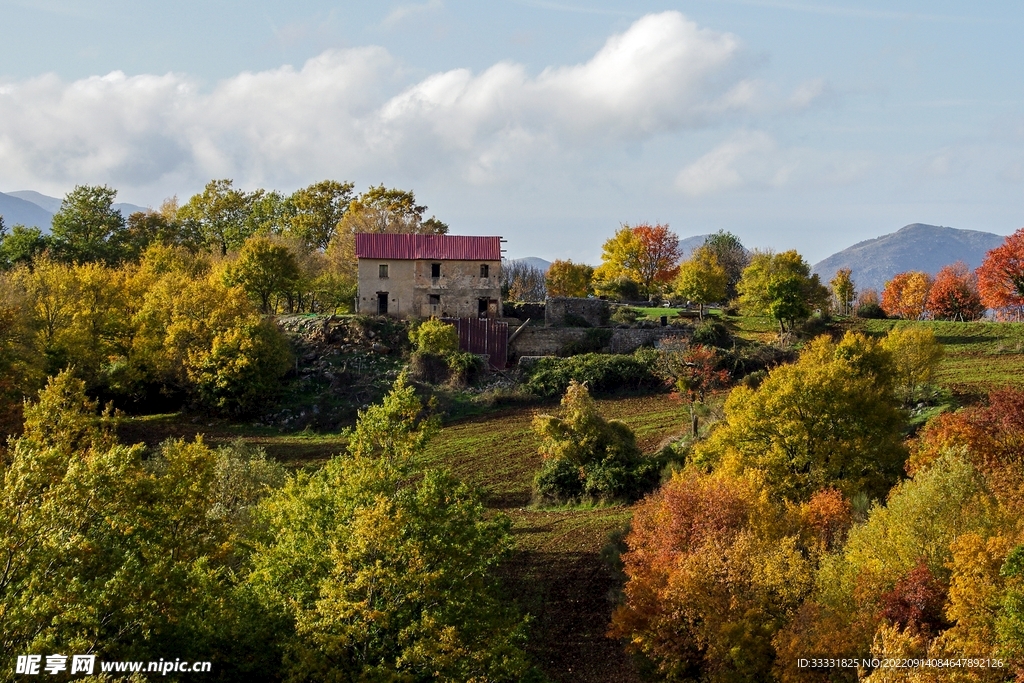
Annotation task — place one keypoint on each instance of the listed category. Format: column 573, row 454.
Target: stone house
column 419, row 276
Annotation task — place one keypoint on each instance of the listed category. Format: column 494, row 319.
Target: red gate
column 483, row 336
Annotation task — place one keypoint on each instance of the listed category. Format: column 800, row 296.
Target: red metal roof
column 440, row 247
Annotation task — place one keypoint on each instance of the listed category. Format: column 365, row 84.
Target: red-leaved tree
column 1001, row 278
column 660, row 254
column 954, row 294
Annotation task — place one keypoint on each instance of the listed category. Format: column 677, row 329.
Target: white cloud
column 754, row 160
column 404, row 11
column 347, row 112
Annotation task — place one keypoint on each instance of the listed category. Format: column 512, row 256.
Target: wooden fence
column 483, row 336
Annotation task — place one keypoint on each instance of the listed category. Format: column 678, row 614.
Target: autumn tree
column 647, row 254
column 87, row 227
column 915, row 355
column 843, row 291
column 906, row 295
column 714, row 570
column 702, row 279
column 1001, row 277
column 587, row 456
column 565, row 278
column 954, row 294
column 829, row 420
column 693, row 373
column 731, row 255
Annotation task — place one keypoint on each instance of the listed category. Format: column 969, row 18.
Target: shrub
column 587, row 456
column 624, row 315
column 602, row 373
column 434, row 336
column 871, row 311
column 711, row 333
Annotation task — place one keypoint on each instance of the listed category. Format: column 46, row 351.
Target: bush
column 625, row 315
column 602, row 373
column 436, row 337
column 871, row 311
column 711, row 333
column 588, row 457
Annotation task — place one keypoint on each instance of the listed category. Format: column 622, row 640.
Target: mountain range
column 913, row 247
column 34, row 209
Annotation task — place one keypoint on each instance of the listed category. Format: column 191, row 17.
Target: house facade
column 422, row 276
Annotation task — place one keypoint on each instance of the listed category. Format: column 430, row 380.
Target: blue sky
column 795, row 124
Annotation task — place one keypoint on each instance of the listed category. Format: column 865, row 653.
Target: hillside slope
column 18, row 211
column 914, row 247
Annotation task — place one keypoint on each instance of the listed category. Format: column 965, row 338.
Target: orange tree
column 906, row 295
column 1001, row 277
column 954, row 295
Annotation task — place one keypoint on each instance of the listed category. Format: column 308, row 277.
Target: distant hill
column 18, row 211
column 534, row 262
column 914, row 247
column 688, row 244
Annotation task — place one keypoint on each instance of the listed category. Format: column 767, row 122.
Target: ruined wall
column 553, row 341
column 557, row 309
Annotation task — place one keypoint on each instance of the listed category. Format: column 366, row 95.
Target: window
column 435, row 299
column 435, row 270
column 383, row 269
column 485, row 270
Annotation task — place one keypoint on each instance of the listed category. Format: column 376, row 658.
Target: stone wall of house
column 557, row 309
column 555, row 341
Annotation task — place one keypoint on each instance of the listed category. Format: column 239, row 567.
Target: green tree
column 702, row 279
column 87, row 227
column 435, row 336
column 21, row 246
column 220, row 214
column 319, row 209
column 587, row 456
column 264, row 269
column 780, row 285
column 389, row 210
column 732, row 256
column 384, row 568
column 107, row 552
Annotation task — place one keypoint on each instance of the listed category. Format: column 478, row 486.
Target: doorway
column 382, row 303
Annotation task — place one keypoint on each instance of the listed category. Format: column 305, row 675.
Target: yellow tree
column 915, row 353
column 843, row 290
column 702, row 279
column 565, row 278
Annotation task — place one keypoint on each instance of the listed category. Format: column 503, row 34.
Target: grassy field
column 979, row 355
column 556, row 573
